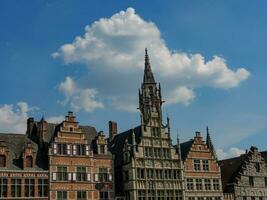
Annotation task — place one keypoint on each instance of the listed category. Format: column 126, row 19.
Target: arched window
column 2, row 160
column 28, row 161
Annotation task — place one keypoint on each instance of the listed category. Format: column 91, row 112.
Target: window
column 191, row 198
column 252, row 198
column 251, row 181
column 104, row 196
column 260, row 198
column 205, row 165
column 71, row 129
column 208, row 198
column 81, row 173
column 62, row 149
column 207, row 184
column 29, row 187
column 62, row 174
column 265, row 180
column 81, row 149
column 42, row 187
column 16, row 187
column 199, row 184
column 2, row 161
column 28, row 161
column 244, row 198
column 103, row 174
column 102, row 149
column 62, row 195
column 140, row 173
column 81, row 195
column 190, row 184
column 257, row 166
column 155, row 132
column 126, row 175
column 197, row 165
column 217, row 198
column 216, row 185
column 3, row 187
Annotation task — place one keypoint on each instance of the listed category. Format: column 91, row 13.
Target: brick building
column 245, row 177
column 56, row 161
column 201, row 169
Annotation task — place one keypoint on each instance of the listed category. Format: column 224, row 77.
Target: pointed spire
column 209, row 143
column 148, row 75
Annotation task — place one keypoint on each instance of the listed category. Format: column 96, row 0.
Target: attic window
column 29, row 161
column 2, row 160
column 257, row 166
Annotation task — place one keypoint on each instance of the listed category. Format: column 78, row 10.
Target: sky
column 88, row 57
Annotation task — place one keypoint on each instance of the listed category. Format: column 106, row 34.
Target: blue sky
column 45, row 70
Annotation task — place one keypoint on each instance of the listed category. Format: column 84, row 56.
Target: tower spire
column 209, row 143
column 148, row 74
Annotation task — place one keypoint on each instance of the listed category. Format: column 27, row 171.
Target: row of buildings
column 70, row 161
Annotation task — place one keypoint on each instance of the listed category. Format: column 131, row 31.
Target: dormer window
column 2, row 161
column 29, row 161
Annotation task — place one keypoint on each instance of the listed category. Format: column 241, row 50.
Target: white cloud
column 55, row 119
column 231, row 152
column 113, row 49
column 79, row 98
column 13, row 117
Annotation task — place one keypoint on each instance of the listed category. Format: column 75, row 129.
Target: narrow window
column 16, row 187
column 197, row 165
column 3, row 187
column 42, row 187
column 205, row 165
column 103, row 174
column 257, row 166
column 2, row 161
column 62, row 174
column 29, row 187
column 81, row 173
column 81, row 195
column 104, row 196
column 251, row 181
column 62, row 195
column 190, row 184
column 199, row 184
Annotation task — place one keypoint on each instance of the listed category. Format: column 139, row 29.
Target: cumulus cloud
column 13, row 117
column 113, row 50
column 231, row 152
column 79, row 98
column 55, row 119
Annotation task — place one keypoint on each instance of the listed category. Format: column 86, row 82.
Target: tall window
column 216, row 185
column 2, row 161
column 140, row 173
column 205, row 165
column 62, row 174
column 207, row 184
column 103, row 174
column 190, row 184
column 16, row 187
column 62, row 195
column 3, row 187
column 29, row 187
column 81, row 195
column 42, row 187
column 257, row 166
column 81, row 149
column 81, row 173
column 104, row 196
column 199, row 184
column 251, row 181
column 102, row 149
column 265, row 180
column 29, row 161
column 197, row 165
column 62, row 149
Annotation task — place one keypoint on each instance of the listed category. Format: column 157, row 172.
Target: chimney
column 112, row 129
column 42, row 129
column 30, row 124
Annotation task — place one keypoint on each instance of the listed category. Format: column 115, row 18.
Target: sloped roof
column 117, row 144
column 185, row 148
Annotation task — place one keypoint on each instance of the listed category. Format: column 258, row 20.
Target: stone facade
column 201, row 170
column 245, row 177
column 147, row 166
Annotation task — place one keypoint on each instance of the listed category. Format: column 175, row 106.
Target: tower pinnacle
column 148, row 74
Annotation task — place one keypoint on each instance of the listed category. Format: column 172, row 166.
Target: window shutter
column 55, row 148
column 54, row 176
column 87, row 150
column 74, row 150
column 110, row 177
column 96, row 177
column 74, row 176
column 88, row 177
column 69, row 176
column 68, row 149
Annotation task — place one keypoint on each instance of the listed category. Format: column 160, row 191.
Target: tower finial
column 148, row 75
